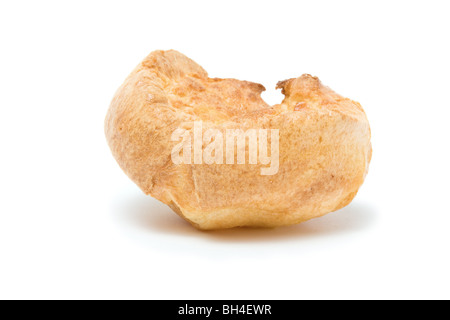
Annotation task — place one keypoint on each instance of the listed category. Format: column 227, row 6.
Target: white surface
column 72, row 225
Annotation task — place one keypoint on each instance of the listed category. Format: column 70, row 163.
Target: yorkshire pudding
column 322, row 157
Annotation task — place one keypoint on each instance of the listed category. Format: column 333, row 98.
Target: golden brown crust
column 324, row 139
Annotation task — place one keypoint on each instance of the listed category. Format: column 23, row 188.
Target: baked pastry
column 322, row 158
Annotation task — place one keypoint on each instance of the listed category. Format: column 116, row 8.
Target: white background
column 72, row 225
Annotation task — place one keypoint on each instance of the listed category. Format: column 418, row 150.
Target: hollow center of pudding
column 216, row 99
